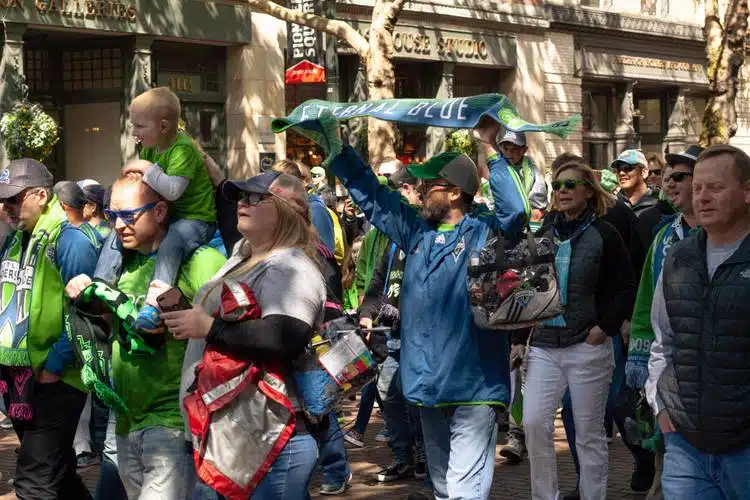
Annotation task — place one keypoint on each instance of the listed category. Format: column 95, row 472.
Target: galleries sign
column 304, row 59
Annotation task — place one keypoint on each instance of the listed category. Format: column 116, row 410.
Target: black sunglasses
column 655, row 172
column 624, row 167
column 679, row 176
column 568, row 184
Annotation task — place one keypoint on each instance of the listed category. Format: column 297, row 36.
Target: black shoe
column 643, row 475
column 513, row 450
column 394, row 472
column 420, row 470
column 573, row 495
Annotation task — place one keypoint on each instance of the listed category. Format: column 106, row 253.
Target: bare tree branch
column 339, row 29
column 394, row 10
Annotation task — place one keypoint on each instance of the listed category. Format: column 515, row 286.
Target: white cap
column 87, row 182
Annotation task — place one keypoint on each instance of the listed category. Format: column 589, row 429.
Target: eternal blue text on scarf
column 318, row 120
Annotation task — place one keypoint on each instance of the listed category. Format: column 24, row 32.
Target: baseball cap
column 22, row 174
column 318, row 172
column 456, row 168
column 94, row 193
column 283, row 186
column 517, row 138
column 70, row 193
column 688, row 157
column 401, row 177
column 631, row 157
column 87, row 182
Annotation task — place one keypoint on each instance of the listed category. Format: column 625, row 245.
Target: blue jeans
column 333, row 457
column 366, row 402
column 109, row 486
column 460, row 445
column 689, row 473
column 289, row 476
column 155, row 464
column 401, row 419
column 182, row 238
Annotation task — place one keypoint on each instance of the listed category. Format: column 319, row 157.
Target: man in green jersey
column 152, row 454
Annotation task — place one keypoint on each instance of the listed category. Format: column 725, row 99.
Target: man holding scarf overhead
column 43, row 389
column 456, row 373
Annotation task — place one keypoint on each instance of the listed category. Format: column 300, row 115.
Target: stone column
column 12, row 77
column 436, row 135
column 139, row 79
column 624, row 130
column 676, row 137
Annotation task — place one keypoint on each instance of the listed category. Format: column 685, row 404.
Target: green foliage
column 28, row 132
column 462, row 141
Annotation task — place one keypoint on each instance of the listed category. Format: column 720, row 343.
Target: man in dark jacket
column 381, row 303
column 698, row 370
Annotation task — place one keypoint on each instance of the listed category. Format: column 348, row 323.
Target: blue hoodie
column 446, row 359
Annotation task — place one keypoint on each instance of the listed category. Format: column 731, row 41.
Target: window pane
column 650, row 121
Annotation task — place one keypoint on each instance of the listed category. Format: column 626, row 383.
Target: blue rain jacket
column 446, row 359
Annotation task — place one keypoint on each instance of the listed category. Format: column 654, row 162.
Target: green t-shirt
column 183, row 159
column 149, row 384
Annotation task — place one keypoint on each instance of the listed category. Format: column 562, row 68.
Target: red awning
column 305, row 72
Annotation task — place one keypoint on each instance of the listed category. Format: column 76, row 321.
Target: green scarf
column 32, row 295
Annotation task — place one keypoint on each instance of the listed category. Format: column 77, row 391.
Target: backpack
column 514, row 287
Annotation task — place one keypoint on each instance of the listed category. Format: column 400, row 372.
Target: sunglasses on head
column 679, row 176
column 128, row 216
column 568, row 184
column 252, row 199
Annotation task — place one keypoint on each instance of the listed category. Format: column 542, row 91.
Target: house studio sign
column 411, row 42
column 89, row 8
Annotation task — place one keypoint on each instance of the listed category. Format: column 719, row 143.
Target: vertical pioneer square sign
column 305, row 57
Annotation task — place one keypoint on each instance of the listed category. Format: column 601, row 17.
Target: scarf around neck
column 565, row 233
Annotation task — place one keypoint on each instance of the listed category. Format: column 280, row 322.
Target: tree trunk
column 725, row 52
column 381, row 77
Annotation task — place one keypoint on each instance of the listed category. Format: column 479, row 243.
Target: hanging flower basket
column 28, row 132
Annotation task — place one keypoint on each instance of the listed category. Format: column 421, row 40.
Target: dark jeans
column 332, row 453
column 46, row 466
column 366, row 403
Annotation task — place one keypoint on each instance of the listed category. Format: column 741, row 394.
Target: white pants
column 82, row 441
column 585, row 370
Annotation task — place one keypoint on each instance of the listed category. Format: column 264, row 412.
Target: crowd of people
column 222, row 287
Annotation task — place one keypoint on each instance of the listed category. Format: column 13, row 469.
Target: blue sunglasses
column 128, row 216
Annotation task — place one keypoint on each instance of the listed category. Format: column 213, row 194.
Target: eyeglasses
column 252, row 199
column 19, row 198
column 679, row 176
column 568, row 184
column 128, row 216
column 624, row 167
column 426, row 188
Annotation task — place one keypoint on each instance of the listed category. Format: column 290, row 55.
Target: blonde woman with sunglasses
column 574, row 350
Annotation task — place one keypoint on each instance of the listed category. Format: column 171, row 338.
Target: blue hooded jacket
column 446, row 359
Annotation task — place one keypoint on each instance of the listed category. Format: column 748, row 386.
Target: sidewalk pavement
column 510, row 481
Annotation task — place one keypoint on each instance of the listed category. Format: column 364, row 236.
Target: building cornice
column 559, row 15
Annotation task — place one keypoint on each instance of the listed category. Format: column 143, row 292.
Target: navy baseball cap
column 94, row 193
column 283, row 186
